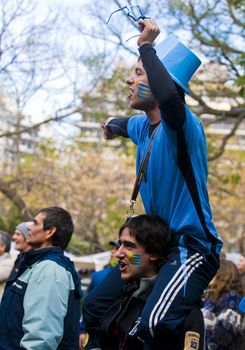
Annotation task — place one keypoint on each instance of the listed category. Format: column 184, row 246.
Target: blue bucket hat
column 180, row 62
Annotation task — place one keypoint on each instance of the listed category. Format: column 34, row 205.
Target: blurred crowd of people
column 224, row 320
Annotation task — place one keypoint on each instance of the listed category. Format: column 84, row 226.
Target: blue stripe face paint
column 134, row 258
column 143, row 91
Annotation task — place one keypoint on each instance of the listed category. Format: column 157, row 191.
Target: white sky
column 44, row 102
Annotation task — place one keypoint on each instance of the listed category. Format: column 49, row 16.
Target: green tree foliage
column 82, row 181
column 227, row 193
column 109, row 98
column 214, row 29
column 93, row 180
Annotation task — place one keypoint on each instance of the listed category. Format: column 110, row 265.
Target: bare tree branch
column 56, row 118
column 226, row 138
column 231, row 12
column 17, row 200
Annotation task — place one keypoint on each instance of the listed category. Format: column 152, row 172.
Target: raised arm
column 160, row 82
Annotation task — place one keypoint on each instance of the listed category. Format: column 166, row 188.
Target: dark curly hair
column 152, row 233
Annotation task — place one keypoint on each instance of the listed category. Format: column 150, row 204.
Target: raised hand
column 149, row 31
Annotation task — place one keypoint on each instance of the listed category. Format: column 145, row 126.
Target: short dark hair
column 152, row 233
column 5, row 239
column 60, row 219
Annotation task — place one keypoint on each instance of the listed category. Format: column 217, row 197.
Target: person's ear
column 154, row 258
column 51, row 231
column 2, row 248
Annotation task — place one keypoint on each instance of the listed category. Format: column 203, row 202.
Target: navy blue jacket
column 14, row 307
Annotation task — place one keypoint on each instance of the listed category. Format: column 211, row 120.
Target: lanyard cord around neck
column 139, row 178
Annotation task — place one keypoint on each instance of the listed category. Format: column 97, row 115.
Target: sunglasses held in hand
column 133, row 12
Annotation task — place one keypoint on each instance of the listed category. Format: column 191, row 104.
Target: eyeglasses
column 133, row 12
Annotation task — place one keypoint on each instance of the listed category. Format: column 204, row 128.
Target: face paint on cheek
column 143, row 91
column 134, row 258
